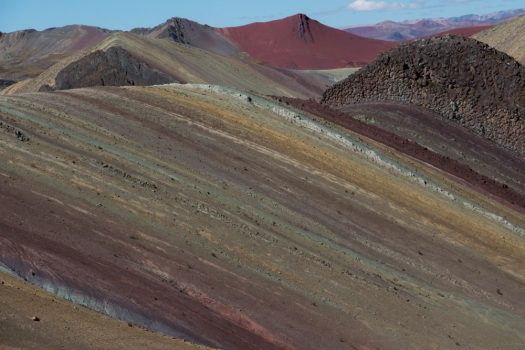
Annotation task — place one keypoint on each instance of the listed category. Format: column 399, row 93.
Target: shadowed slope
column 241, row 223
column 508, row 37
column 303, row 43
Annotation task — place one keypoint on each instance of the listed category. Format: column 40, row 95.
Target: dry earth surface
column 508, row 37
column 31, row 318
column 239, row 222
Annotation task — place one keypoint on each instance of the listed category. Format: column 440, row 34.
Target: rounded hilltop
column 461, row 79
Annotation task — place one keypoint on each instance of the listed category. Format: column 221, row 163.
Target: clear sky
column 127, row 14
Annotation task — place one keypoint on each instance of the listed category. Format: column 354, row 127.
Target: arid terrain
column 169, row 188
column 31, row 318
column 508, row 37
column 191, row 209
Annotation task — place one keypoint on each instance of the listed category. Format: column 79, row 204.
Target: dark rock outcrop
column 5, row 83
column 113, row 67
column 461, row 79
column 176, row 30
column 304, row 28
column 184, row 31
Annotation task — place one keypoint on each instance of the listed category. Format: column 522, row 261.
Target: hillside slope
column 147, row 61
column 63, row 325
column 463, row 31
column 27, row 53
column 243, row 223
column 302, row 43
column 461, row 79
column 508, row 37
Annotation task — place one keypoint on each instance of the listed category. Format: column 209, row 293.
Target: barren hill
column 235, row 221
column 27, row 53
column 462, row 79
column 301, row 42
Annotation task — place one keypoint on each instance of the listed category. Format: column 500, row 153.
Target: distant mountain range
column 508, row 37
column 406, row 30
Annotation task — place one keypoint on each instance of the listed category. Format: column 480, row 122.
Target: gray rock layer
column 462, row 79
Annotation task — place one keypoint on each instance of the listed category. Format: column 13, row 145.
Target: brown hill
column 303, row 43
column 462, row 79
column 508, row 37
column 27, row 53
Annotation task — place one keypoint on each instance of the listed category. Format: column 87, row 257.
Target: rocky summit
column 461, row 79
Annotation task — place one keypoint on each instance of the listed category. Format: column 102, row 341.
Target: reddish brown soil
column 480, row 182
column 303, row 43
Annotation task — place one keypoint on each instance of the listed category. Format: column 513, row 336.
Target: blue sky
column 127, row 14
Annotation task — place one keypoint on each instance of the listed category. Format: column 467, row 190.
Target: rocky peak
column 177, row 28
column 303, row 27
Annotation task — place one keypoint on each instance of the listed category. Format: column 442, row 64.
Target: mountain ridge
column 411, row 29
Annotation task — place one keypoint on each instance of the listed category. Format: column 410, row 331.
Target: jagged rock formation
column 462, row 79
column 113, row 67
column 184, row 31
column 304, row 28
